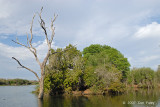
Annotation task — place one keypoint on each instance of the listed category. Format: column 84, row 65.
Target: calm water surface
column 17, row 96
column 21, row 96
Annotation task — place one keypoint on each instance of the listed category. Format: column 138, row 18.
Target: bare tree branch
column 53, row 28
column 20, row 44
column 27, row 40
column 49, row 42
column 34, row 51
column 31, row 30
column 42, row 24
column 26, row 68
column 30, row 47
column 30, row 41
column 35, row 55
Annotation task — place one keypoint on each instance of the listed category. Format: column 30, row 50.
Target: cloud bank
column 130, row 26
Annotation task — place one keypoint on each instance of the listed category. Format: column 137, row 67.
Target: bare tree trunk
column 41, row 84
column 40, row 102
column 34, row 51
column 41, row 88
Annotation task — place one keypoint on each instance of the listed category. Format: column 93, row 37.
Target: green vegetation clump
column 17, row 82
column 105, row 68
column 106, row 54
column 97, row 68
column 65, row 71
column 142, row 77
column 157, row 78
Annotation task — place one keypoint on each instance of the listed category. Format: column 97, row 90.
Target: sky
column 131, row 26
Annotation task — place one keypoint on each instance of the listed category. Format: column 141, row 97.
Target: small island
column 97, row 70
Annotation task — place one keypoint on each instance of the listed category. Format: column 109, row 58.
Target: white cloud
column 145, row 61
column 150, row 30
column 18, row 52
column 9, row 69
column 142, row 52
column 43, row 48
column 149, row 58
column 9, row 66
column 23, row 53
column 4, row 11
column 81, row 22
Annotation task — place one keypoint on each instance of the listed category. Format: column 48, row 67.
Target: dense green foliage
column 157, row 78
column 100, row 68
column 105, row 54
column 106, row 68
column 17, row 82
column 64, row 71
column 143, row 77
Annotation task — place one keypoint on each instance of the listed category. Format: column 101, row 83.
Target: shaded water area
column 21, row 96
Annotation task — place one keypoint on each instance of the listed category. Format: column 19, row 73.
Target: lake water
column 21, row 96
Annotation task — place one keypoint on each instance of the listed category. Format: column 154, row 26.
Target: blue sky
column 131, row 26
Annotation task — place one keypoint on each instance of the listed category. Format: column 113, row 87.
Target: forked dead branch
column 34, row 51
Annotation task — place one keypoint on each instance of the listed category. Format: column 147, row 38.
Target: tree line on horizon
column 17, row 82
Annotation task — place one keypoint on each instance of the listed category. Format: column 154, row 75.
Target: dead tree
column 34, row 51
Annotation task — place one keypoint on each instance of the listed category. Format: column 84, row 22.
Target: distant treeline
column 17, row 82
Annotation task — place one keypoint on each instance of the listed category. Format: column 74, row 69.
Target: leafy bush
column 104, row 66
column 64, row 71
column 143, row 77
column 97, row 55
column 100, row 68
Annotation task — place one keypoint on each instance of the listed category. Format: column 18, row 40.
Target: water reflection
column 132, row 98
column 21, row 96
column 40, row 103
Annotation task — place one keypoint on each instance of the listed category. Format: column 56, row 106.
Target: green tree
column 157, row 76
column 108, row 55
column 143, row 77
column 105, row 67
column 65, row 70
